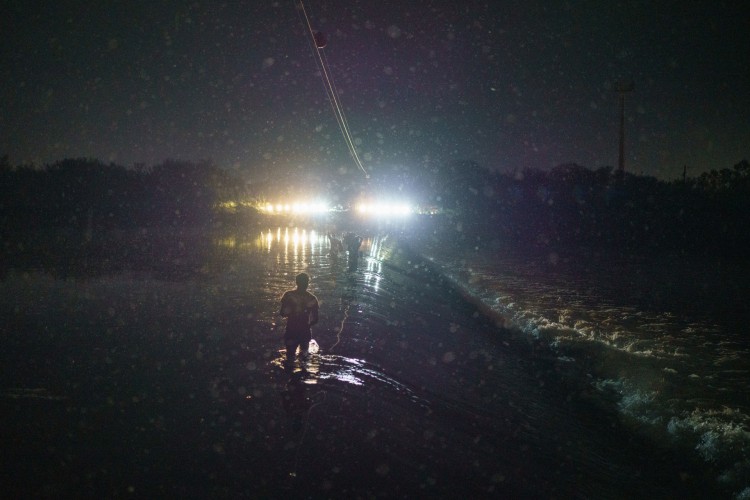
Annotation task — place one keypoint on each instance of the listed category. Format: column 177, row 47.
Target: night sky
column 506, row 84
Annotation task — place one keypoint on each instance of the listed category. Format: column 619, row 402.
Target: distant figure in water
column 300, row 308
column 336, row 246
column 353, row 242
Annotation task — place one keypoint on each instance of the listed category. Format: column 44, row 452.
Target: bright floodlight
column 320, row 207
column 297, row 208
column 384, row 209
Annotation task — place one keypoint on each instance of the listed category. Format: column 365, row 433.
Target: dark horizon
column 570, row 209
column 351, row 172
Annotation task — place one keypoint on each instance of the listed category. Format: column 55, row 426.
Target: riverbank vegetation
column 569, row 206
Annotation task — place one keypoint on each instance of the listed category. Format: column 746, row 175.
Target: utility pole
column 622, row 89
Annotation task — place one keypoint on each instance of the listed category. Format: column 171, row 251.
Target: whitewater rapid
column 677, row 377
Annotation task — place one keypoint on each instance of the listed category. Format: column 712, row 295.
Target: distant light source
column 295, row 208
column 384, row 209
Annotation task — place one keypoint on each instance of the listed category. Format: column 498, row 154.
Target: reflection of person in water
column 295, row 401
column 353, row 242
column 300, row 308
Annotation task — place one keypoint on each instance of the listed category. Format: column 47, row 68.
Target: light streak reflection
column 292, row 244
column 374, row 262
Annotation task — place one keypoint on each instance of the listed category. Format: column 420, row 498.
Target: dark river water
column 436, row 375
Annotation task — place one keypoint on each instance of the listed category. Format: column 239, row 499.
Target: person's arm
column 314, row 312
column 284, row 309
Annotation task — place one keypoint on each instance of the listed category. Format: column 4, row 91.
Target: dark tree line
column 572, row 207
column 88, row 193
column 568, row 207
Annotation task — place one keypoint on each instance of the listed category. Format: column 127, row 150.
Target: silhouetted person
column 337, row 247
column 300, row 308
column 353, row 242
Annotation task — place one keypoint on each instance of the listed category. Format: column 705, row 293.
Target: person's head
column 302, row 280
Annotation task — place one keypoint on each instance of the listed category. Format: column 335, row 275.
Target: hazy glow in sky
column 506, row 84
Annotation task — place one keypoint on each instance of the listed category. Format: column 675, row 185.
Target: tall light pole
column 622, row 89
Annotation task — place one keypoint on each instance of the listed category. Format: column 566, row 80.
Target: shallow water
column 166, row 378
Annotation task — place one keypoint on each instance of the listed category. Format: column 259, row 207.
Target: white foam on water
column 683, row 380
column 313, row 347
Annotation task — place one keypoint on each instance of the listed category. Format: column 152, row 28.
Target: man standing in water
column 300, row 308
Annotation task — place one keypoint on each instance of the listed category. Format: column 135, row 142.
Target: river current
column 666, row 343
column 444, row 367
